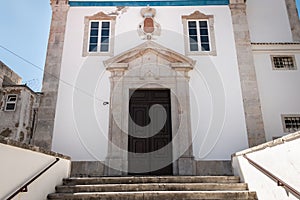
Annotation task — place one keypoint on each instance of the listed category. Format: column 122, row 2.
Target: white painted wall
column 281, row 160
column 268, row 21
column 81, row 123
column 277, row 88
column 19, row 165
column 217, row 112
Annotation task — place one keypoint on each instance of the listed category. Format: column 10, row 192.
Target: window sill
column 201, row 53
column 97, row 54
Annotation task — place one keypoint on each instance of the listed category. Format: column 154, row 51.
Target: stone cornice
column 275, row 43
column 181, row 67
column 117, row 67
column 273, row 47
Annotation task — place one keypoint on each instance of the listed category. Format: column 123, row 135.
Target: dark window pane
column 95, row 25
column 192, row 31
column 204, row 39
column 105, row 24
column 104, row 32
column 203, row 24
column 205, row 47
column 94, row 32
column 292, row 124
column 192, row 24
column 11, row 98
column 104, row 39
column 94, row 40
column 93, row 48
column 283, row 62
column 193, row 39
column 193, row 47
column 287, row 123
column 104, row 48
column 203, row 32
column 10, row 106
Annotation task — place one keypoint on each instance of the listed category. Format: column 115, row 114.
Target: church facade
column 168, row 87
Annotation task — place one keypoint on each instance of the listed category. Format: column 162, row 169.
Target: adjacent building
column 18, row 107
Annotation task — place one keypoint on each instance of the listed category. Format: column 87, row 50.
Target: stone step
column 153, row 187
column 152, row 179
column 157, row 195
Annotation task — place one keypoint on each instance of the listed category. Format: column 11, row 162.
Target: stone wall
column 294, row 19
column 203, row 168
column 8, row 76
column 251, row 100
column 87, row 168
column 44, row 132
column 19, row 124
column 214, row 168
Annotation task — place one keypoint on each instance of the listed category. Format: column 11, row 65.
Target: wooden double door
column 150, row 149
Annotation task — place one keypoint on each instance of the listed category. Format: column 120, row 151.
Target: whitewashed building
column 168, row 86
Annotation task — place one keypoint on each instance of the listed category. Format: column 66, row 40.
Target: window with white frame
column 291, row 123
column 11, row 102
column 283, row 62
column 199, row 34
column 99, row 36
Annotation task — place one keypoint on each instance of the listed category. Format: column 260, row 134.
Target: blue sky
column 24, row 31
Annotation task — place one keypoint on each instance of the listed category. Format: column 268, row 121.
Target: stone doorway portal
column 146, row 67
column 144, row 142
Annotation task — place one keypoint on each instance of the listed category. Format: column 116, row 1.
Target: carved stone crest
column 149, row 28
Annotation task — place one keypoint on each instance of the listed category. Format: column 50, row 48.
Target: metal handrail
column 279, row 181
column 24, row 187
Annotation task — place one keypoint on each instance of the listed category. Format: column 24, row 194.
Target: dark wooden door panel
column 141, row 141
column 140, row 146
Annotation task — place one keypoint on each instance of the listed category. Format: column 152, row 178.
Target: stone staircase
column 164, row 188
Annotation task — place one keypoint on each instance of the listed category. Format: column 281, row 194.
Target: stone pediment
column 175, row 59
column 197, row 15
column 101, row 16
